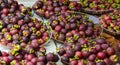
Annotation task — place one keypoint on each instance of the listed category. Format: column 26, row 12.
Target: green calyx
column 17, row 26
column 75, row 37
column 12, row 52
column 101, row 6
column 9, row 37
column 114, row 58
column 76, row 57
column 84, row 46
column 31, row 51
column 65, row 2
column 117, row 1
column 56, row 35
column 92, row 5
column 115, row 5
column 23, row 9
column 110, row 1
column 34, row 29
column 22, row 62
column 3, row 31
column 25, row 33
column 116, row 27
column 17, row 47
column 57, row 49
column 38, row 33
column 46, row 38
column 70, row 6
column 3, row 62
column 1, row 25
column 81, row 0
column 69, row 39
column 13, row 62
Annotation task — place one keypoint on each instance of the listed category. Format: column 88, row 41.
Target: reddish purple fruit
column 73, row 62
column 101, row 55
column 110, row 51
column 58, row 28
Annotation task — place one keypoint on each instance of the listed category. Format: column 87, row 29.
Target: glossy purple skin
column 85, row 54
column 92, row 57
column 50, row 57
column 100, row 41
column 70, row 53
column 73, row 62
column 100, row 63
column 40, row 63
column 65, row 60
column 91, row 63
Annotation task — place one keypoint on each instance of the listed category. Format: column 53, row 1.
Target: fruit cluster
column 8, row 7
column 111, row 21
column 19, row 56
column 51, row 7
column 70, row 27
column 93, row 52
column 22, row 29
column 100, row 4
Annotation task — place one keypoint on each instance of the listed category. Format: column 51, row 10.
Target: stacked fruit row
column 100, row 4
column 25, row 35
column 47, row 8
column 18, row 26
column 10, row 7
column 51, row 7
column 91, row 52
column 111, row 22
column 26, row 56
column 68, row 27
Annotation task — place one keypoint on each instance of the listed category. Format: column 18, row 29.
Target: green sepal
column 117, row 1
column 3, row 62
column 13, row 62
column 76, row 57
column 110, row 1
column 9, row 37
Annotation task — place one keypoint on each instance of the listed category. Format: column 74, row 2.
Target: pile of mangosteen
column 82, row 43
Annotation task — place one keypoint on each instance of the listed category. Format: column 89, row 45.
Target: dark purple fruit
column 100, row 41
column 67, row 26
column 91, row 63
column 61, row 37
column 100, row 63
column 65, row 60
column 73, row 62
column 92, row 57
column 61, row 51
column 82, row 27
column 98, row 47
column 56, row 58
column 70, row 53
column 40, row 63
column 101, row 55
column 64, row 31
column 77, row 47
column 42, row 58
column 58, row 28
column 62, row 24
column 85, row 54
column 104, row 46
column 73, row 25
column 108, row 61
column 50, row 57
column 110, row 51
column 89, row 32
